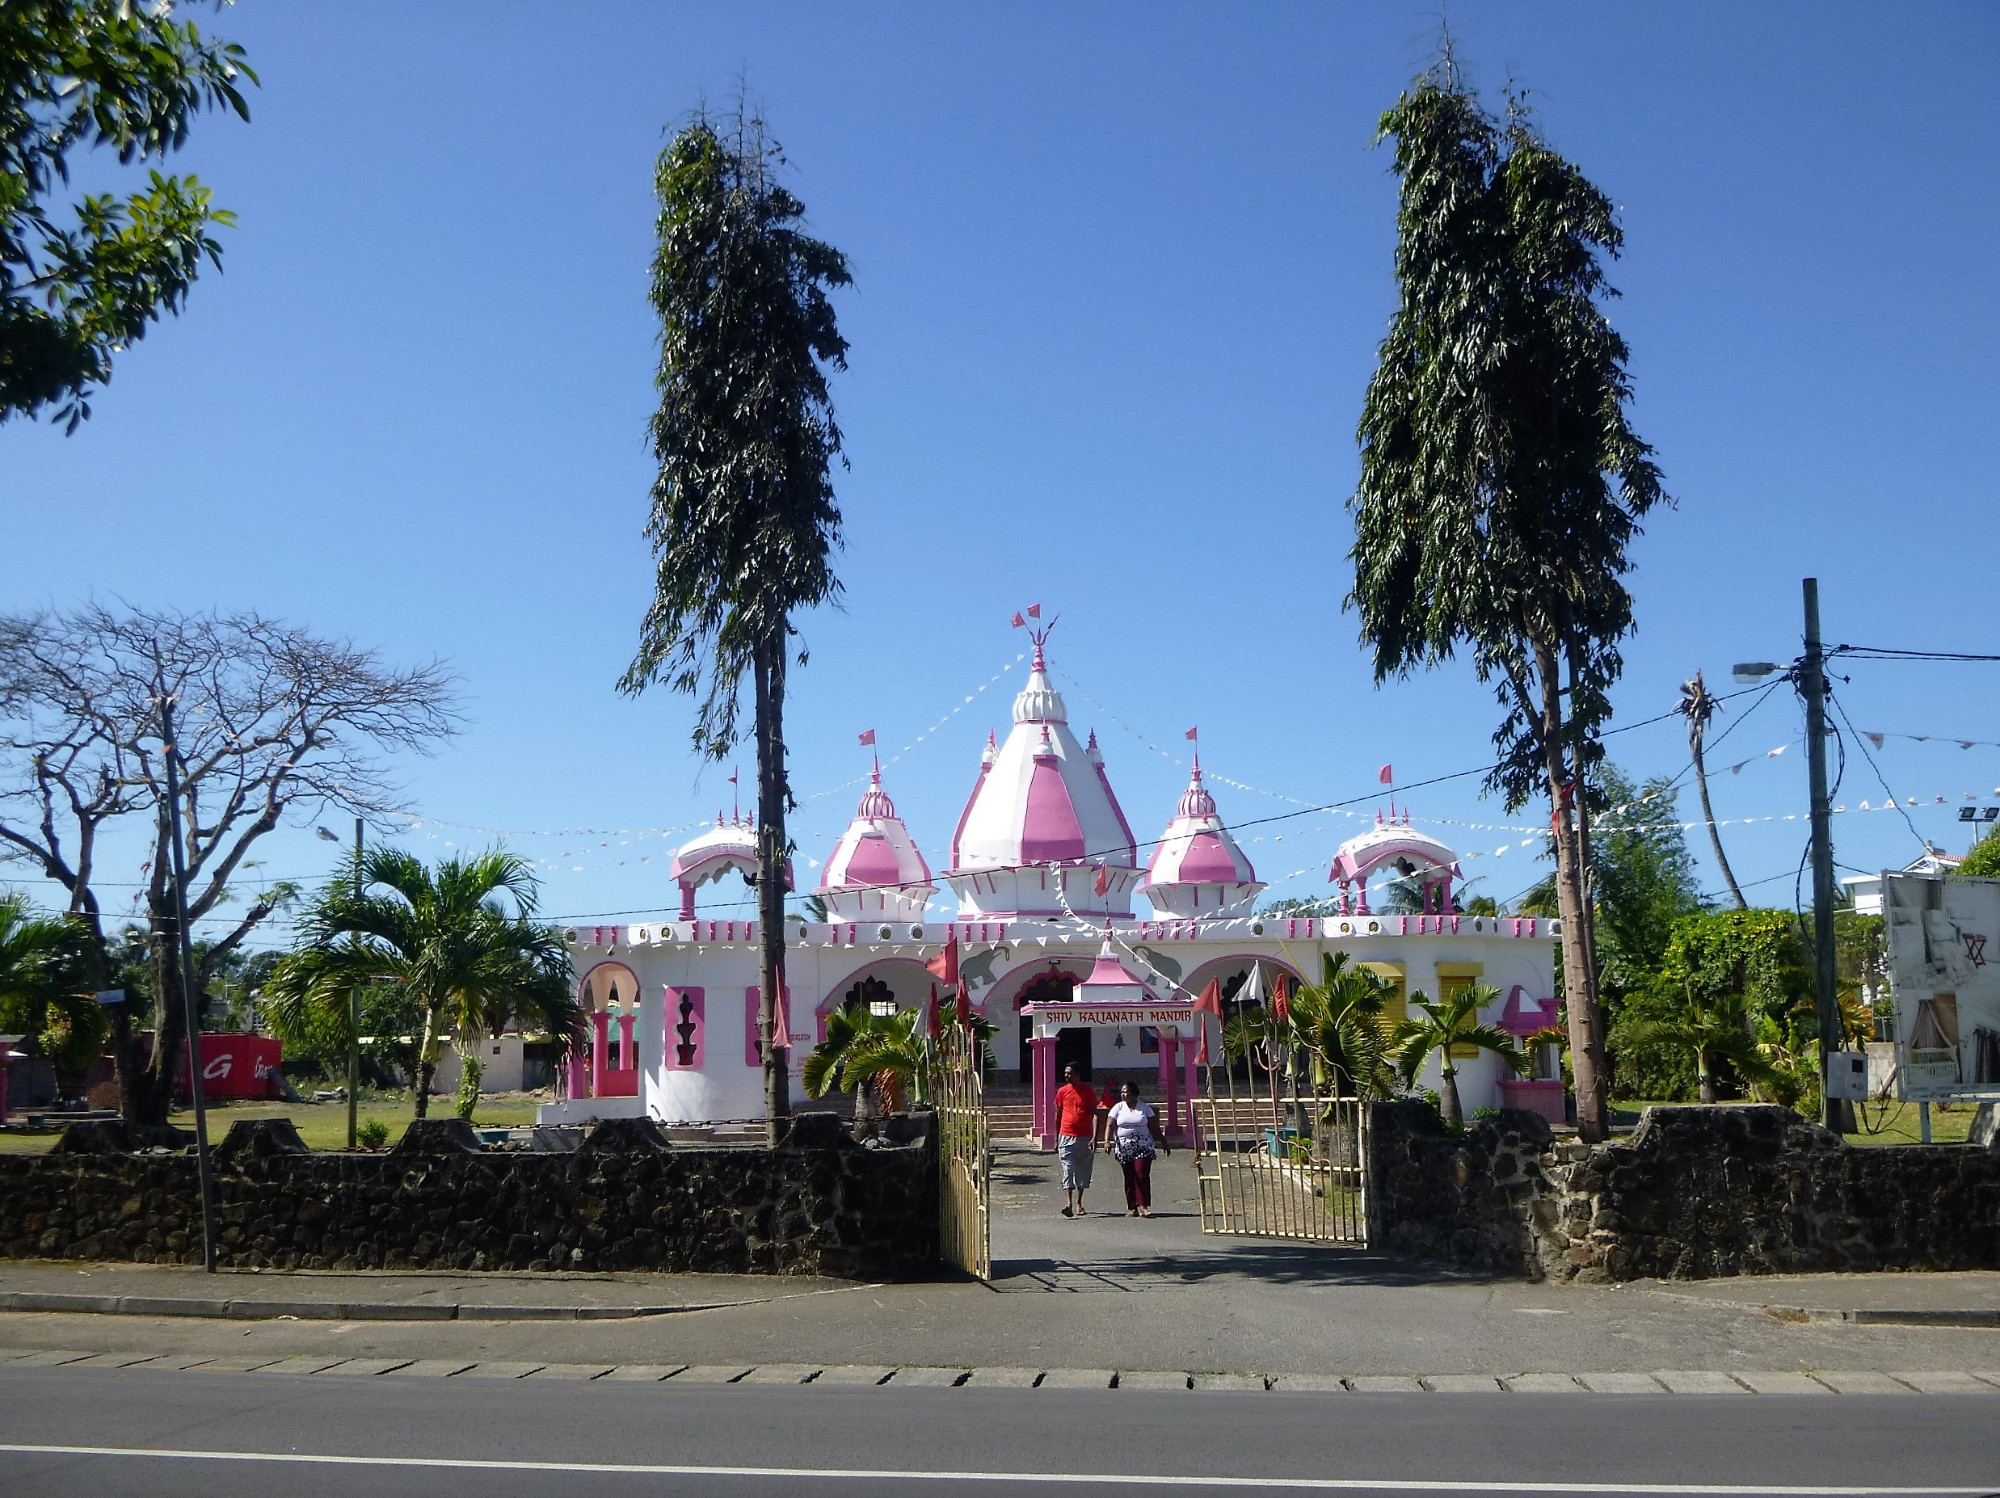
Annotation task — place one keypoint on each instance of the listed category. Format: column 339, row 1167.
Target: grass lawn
column 1895, row 1123
column 323, row 1126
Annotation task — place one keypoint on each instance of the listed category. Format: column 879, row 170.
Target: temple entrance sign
column 965, row 1158
column 1273, row 1161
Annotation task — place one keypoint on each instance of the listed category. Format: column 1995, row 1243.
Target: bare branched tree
column 269, row 721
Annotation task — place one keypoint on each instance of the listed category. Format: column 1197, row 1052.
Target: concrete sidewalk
column 366, row 1295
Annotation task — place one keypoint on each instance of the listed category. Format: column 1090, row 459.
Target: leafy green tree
column 1501, row 483
column 1983, row 862
column 1713, row 1027
column 447, row 937
column 1445, row 1026
column 1729, row 967
column 40, row 997
column 78, row 282
column 743, row 522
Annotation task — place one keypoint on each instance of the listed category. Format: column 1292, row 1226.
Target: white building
column 1044, row 865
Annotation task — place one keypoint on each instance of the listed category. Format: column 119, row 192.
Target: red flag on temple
column 933, row 1021
column 1210, row 1002
column 1387, row 774
column 1281, row 998
column 964, row 1009
column 1192, row 733
column 1102, row 883
column 1034, row 611
column 1019, row 622
column 867, row 738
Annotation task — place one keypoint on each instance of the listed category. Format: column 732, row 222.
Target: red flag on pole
column 932, row 1020
column 1387, row 775
column 1210, row 1002
column 867, row 738
column 944, row 966
column 732, row 775
column 1103, row 880
column 1281, row 998
column 1019, row 622
column 1034, row 611
column 1191, row 733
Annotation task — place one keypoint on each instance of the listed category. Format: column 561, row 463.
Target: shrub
column 372, row 1134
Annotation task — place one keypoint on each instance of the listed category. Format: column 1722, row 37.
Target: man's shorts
column 1076, row 1154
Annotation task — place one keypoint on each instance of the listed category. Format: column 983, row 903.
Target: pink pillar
column 1044, row 1050
column 1187, row 1062
column 600, row 1045
column 577, row 1070
column 628, row 1058
column 687, row 902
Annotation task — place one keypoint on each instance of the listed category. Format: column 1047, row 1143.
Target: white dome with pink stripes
column 876, row 869
column 1198, row 869
column 1043, row 828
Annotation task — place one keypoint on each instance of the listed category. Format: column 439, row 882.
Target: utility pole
column 1835, row 1114
column 184, row 943
column 354, row 1016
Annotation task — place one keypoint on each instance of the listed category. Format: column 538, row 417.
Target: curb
column 1818, row 1383
column 1883, row 1316
column 324, row 1310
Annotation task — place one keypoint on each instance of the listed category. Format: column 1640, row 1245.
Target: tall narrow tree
column 1697, row 706
column 1500, row 481
column 743, row 522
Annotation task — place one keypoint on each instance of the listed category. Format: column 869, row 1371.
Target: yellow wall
column 1453, row 979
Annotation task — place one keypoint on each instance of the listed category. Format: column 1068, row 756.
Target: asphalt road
column 218, row 1435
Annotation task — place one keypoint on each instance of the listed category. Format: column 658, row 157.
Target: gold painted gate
column 1274, row 1162
column 965, row 1157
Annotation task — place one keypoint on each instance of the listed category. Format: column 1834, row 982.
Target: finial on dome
column 1195, row 800
column 1091, row 751
column 992, row 750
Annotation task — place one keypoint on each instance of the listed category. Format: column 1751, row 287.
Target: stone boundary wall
column 1694, row 1193
column 820, row 1204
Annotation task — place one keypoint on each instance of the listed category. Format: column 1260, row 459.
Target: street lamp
column 1747, row 673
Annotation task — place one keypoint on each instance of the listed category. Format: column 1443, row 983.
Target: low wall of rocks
column 819, row 1204
column 1694, row 1193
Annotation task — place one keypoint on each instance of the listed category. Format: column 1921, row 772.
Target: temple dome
column 1198, row 868
column 1042, row 820
column 714, row 852
column 876, row 867
column 1398, row 846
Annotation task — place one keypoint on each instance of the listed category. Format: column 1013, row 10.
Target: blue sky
column 1120, row 275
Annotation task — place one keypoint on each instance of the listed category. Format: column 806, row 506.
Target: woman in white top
column 1133, row 1137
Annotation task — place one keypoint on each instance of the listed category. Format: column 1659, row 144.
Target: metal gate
column 1275, row 1162
column 965, row 1157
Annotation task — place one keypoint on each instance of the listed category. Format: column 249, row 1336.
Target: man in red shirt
column 1077, row 1113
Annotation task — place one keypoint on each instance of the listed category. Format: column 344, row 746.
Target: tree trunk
column 1705, row 1084
column 1454, row 1114
column 1696, row 732
column 768, row 669
column 1586, row 1044
column 146, row 1089
column 426, row 1063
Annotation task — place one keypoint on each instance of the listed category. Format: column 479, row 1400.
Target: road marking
column 1046, row 1479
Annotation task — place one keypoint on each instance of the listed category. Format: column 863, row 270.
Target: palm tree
column 743, row 521
column 39, row 958
column 885, row 1059
column 1334, row 1025
column 1697, row 706
column 1442, row 1027
column 469, row 965
column 1717, row 1029
column 1500, row 480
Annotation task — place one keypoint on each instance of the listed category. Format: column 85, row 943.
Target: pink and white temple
column 1044, row 865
